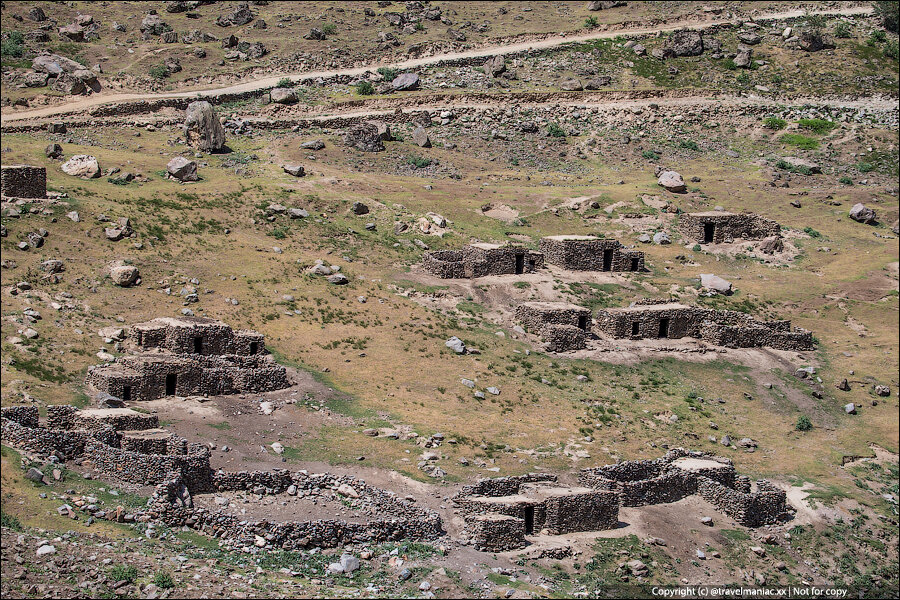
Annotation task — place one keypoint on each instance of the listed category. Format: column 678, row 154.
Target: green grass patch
column 800, row 141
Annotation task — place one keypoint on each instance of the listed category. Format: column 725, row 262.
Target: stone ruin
column 716, row 227
column 681, row 473
column 589, row 253
column 669, row 320
column 127, row 446
column 23, row 181
column 480, row 260
column 500, row 512
column 563, row 327
column 187, row 356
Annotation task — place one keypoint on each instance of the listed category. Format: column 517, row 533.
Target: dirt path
column 81, row 104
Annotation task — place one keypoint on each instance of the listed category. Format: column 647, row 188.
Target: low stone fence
column 563, row 338
column 765, row 506
column 23, row 181
column 502, row 486
column 446, row 264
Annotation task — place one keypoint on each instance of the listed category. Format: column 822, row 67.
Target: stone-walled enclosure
column 23, row 181
column 588, row 253
column 480, row 260
column 500, row 512
column 189, row 356
column 716, row 227
column 562, row 326
column 179, row 470
column 681, row 473
column 718, row 327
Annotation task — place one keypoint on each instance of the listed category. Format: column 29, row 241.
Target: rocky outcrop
column 202, row 129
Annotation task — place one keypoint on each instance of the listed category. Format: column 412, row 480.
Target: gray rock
column 202, row 128
column 54, row 64
column 359, row 208
column 716, row 283
column 672, row 181
column 365, row 137
column 53, row 151
column 313, row 145
column 295, row 170
column 661, row 238
column 495, row 66
column 182, row 169
column 456, row 344
column 338, row 279
column 297, row 213
column 34, row 475
column 862, row 214
column 420, row 137
column 405, row 82
column 283, row 96
column 124, row 276
column 82, row 165
column 571, row 84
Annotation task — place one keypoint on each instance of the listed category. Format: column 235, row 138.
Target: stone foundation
column 480, row 260
column 496, row 533
column 23, row 181
column 718, row 227
column 588, row 253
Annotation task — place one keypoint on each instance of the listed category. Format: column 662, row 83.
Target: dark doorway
column 663, row 328
column 607, row 260
column 635, row 328
column 254, row 347
column 520, row 264
column 171, row 384
column 529, row 520
column 635, row 264
column 583, row 322
column 709, row 233
column 126, row 393
column 198, row 345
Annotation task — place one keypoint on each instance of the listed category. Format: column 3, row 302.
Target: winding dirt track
column 82, row 104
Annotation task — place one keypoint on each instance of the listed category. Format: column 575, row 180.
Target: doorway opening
column 198, row 345
column 171, row 384
column 664, row 328
column 529, row 520
column 709, row 233
column 520, row 264
column 607, row 260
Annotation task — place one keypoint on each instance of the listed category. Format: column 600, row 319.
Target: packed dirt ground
column 799, row 137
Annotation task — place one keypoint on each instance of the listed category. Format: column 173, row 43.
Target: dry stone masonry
column 189, row 356
column 719, row 327
column 23, row 181
column 588, row 253
column 480, row 260
column 562, row 326
column 716, row 227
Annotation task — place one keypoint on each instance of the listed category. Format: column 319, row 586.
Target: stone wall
column 563, row 338
column 23, row 181
column 496, row 533
column 725, row 227
column 585, row 253
column 197, row 335
column 719, row 327
column 766, row 506
column 502, row 486
column 27, row 416
column 534, row 316
column 481, row 260
column 591, row 511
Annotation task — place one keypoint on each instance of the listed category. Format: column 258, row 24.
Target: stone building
column 480, row 259
column 716, row 227
column 562, row 326
column 23, row 181
column 189, row 356
column 500, row 512
column 589, row 253
column 681, row 473
column 718, row 327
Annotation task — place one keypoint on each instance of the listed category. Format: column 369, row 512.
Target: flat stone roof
column 99, row 413
column 573, row 238
column 688, row 463
column 147, row 434
column 712, row 213
column 486, row 246
column 178, row 322
column 555, row 306
column 647, row 307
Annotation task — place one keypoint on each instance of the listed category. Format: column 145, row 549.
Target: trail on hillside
column 81, row 104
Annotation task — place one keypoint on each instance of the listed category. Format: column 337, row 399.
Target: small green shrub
column 13, row 47
column 159, row 72
column 163, row 580
column 697, row 248
column 774, row 123
column 127, row 573
column 10, row 522
column 729, row 64
column 820, row 126
column 554, row 130
column 803, row 423
column 800, row 141
column 388, row 73
column 419, row 162
column 365, row 88
column 786, row 166
column 877, row 37
column 689, row 145
column 889, row 13
column 891, row 50
column 591, row 22
column 743, row 79
column 846, row 180
column 865, row 167
column 284, row 82
column 811, row 232
column 842, row 30
column 420, row 26
column 650, row 155
column 329, row 28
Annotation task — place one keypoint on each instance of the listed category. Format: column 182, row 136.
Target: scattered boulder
column 743, row 57
column 69, row 85
column 801, row 165
column 456, row 345
column 684, row 42
column 571, row 85
column 82, row 165
column 597, row 83
column 202, row 129
column 53, row 151
column 37, row 15
column 153, row 24
column 598, row 5
column 661, row 238
column 241, row 15
column 315, row 34
column 359, row 208
column 771, row 245
column 312, row 145
column 882, row 390
column 495, row 66
column 405, row 82
column 295, row 170
column 863, row 214
column 35, row 79
column 812, row 40
column 850, row 408
column 364, row 137
column 751, row 38
column 420, row 137
column 54, row 64
column 125, row 275
column 672, row 181
column 715, row 283
column 182, row 169
column 283, row 96
column 338, row 279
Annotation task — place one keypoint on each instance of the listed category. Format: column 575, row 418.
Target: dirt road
column 81, row 103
